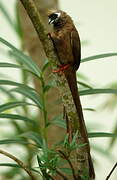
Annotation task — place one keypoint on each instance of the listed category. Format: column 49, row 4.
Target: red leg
column 62, row 68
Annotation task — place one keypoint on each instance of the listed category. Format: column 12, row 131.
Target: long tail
column 72, row 81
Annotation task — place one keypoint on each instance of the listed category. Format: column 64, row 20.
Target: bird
column 67, row 45
column 65, row 35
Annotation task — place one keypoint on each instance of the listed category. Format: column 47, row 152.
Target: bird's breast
column 62, row 44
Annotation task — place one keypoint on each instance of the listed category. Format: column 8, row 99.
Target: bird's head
column 58, row 18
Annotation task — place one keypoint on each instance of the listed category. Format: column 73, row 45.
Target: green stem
column 44, row 110
column 24, row 81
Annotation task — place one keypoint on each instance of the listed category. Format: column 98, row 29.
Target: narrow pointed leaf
column 2, row 64
column 6, row 15
column 58, row 121
column 33, row 136
column 17, row 117
column 89, row 109
column 13, row 83
column 45, row 66
column 14, row 141
column 101, row 134
column 16, row 166
column 47, row 88
column 98, row 91
column 113, row 140
column 7, row 93
column 22, row 58
column 84, row 85
column 11, row 65
column 90, row 58
column 11, row 105
column 30, row 94
column 102, row 151
column 18, row 26
column 67, row 171
column 10, row 165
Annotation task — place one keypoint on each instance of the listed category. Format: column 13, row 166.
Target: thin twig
column 61, row 174
column 70, row 164
column 111, row 171
column 50, row 177
column 20, row 163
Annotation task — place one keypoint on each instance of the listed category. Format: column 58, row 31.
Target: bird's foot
column 49, row 35
column 62, row 68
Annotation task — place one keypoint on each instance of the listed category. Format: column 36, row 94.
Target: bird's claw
column 61, row 69
column 49, row 35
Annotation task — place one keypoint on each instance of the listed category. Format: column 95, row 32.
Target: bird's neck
column 63, row 25
column 58, row 25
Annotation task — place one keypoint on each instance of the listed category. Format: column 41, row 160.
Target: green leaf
column 10, row 165
column 12, row 83
column 59, row 121
column 16, row 166
column 113, row 140
column 89, row 109
column 17, row 117
column 11, row 105
column 50, row 84
column 38, row 160
column 2, row 64
column 85, row 42
column 6, row 15
column 66, row 170
column 18, row 26
column 46, row 88
column 33, row 136
column 82, row 76
column 31, row 95
column 11, row 65
column 14, row 141
column 98, row 91
column 6, row 92
column 102, row 151
column 90, row 58
column 84, row 85
column 73, row 143
column 101, row 134
column 45, row 66
column 22, row 58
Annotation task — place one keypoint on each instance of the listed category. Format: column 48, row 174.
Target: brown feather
column 76, row 48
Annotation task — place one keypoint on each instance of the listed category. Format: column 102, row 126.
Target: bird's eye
column 54, row 18
column 58, row 14
column 54, row 15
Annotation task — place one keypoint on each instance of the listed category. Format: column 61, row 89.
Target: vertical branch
column 81, row 156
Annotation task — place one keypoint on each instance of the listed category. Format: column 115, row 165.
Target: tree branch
column 61, row 174
column 70, row 164
column 34, row 15
column 111, row 171
column 20, row 163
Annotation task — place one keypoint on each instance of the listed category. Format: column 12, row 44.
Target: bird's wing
column 76, row 48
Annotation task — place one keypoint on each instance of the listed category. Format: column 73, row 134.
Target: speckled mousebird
column 67, row 45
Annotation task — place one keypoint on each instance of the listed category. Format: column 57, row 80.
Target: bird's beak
column 50, row 21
